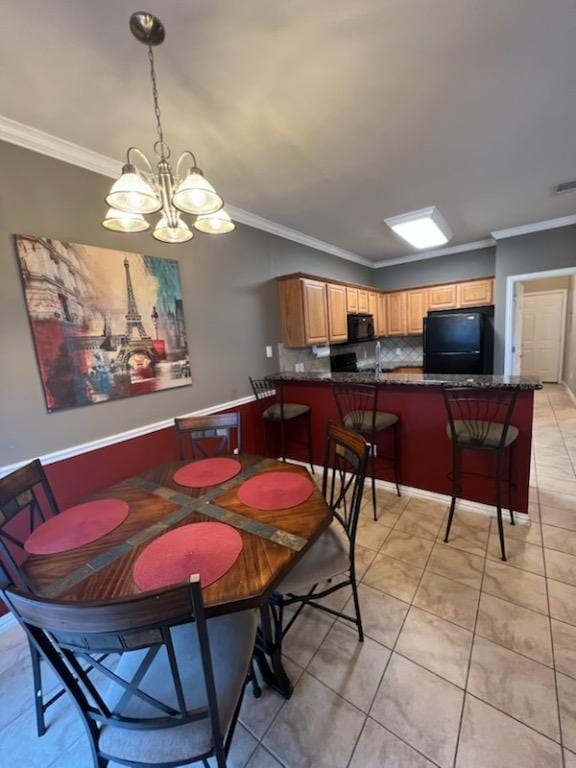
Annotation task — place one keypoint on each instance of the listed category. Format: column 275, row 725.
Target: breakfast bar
column 424, row 448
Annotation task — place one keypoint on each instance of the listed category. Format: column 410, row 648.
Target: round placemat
column 275, row 490
column 209, row 549
column 207, row 472
column 77, row 526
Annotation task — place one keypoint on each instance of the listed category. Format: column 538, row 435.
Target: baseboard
column 571, row 394
column 439, row 498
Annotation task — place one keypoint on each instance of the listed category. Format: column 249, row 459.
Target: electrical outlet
column 299, row 367
column 398, row 351
column 269, row 351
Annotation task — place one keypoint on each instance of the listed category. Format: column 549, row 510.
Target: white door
column 543, row 327
column 517, row 344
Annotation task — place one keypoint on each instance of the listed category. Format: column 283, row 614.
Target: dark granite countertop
column 414, row 379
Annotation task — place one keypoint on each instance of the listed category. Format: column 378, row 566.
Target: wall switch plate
column 268, row 351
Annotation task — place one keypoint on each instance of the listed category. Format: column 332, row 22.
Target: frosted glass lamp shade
column 133, row 194
column 167, row 233
column 120, row 221
column 218, row 223
column 196, row 195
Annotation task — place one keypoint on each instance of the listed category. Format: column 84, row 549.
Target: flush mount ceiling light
column 422, row 229
column 140, row 192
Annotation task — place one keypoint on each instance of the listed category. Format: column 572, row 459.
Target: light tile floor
column 468, row 662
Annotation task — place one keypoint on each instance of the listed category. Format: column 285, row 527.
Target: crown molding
column 27, row 137
column 538, row 226
column 488, row 243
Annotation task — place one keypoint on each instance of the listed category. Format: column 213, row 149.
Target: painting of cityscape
column 106, row 324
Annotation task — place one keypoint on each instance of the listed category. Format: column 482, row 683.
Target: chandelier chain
column 161, row 141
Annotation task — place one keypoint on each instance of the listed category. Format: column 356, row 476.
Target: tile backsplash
column 394, row 351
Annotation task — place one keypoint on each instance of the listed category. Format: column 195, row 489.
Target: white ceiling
column 325, row 117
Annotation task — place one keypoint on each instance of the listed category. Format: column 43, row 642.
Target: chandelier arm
column 141, row 154
column 186, row 153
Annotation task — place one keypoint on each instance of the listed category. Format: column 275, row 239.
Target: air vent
column 565, row 186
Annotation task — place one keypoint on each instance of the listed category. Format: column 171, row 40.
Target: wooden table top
column 273, row 541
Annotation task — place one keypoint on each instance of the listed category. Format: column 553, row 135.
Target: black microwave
column 360, row 327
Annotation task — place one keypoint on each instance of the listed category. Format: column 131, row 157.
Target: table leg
column 268, row 653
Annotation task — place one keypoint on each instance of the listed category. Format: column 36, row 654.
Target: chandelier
column 138, row 192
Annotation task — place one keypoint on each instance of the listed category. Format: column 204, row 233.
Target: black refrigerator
column 459, row 341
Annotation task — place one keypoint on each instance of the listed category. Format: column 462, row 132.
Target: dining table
column 273, row 541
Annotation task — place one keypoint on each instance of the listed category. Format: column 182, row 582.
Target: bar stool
column 358, row 410
column 479, row 420
column 274, row 410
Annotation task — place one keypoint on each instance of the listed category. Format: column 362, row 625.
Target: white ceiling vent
column 563, row 187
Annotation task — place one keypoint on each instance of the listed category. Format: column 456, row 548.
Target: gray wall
column 443, row 269
column 230, row 305
column 551, row 249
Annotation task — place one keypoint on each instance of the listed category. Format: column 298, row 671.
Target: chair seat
column 291, row 411
column 361, row 421
column 326, row 558
column 481, row 434
column 231, row 645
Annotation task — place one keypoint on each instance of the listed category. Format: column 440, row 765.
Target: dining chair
column 330, row 562
column 197, row 430
column 174, row 695
column 274, row 410
column 480, row 420
column 26, row 501
column 358, row 410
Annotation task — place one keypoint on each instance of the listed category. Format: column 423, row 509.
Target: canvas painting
column 106, row 324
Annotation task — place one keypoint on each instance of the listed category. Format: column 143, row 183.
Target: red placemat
column 207, row 472
column 77, row 526
column 209, row 549
column 275, row 490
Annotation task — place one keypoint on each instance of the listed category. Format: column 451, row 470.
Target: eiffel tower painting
column 133, row 316
column 89, row 311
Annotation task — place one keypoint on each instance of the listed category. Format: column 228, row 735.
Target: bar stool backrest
column 26, row 501
column 354, row 401
column 209, row 435
column 345, row 462
column 472, row 413
column 268, row 393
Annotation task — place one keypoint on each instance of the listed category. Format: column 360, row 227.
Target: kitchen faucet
column 378, row 361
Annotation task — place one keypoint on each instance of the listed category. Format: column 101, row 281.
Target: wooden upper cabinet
column 352, row 300
column 337, row 317
column 476, row 293
column 381, row 322
column 416, row 309
column 396, row 313
column 362, row 301
column 373, row 308
column 315, row 312
column 443, row 296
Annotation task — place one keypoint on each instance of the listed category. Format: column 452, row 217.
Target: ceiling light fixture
column 422, row 229
column 140, row 192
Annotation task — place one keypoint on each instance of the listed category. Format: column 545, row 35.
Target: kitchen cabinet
column 396, row 313
column 443, row 296
column 304, row 312
column 373, row 309
column 476, row 293
column 352, row 300
column 416, row 310
column 381, row 322
column 337, row 317
column 362, row 301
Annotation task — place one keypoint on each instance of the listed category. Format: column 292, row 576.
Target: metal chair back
column 354, row 401
column 209, row 435
column 26, row 501
column 345, row 463
column 475, row 411
column 72, row 637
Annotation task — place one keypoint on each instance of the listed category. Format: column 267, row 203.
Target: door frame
column 563, row 293
column 509, row 324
